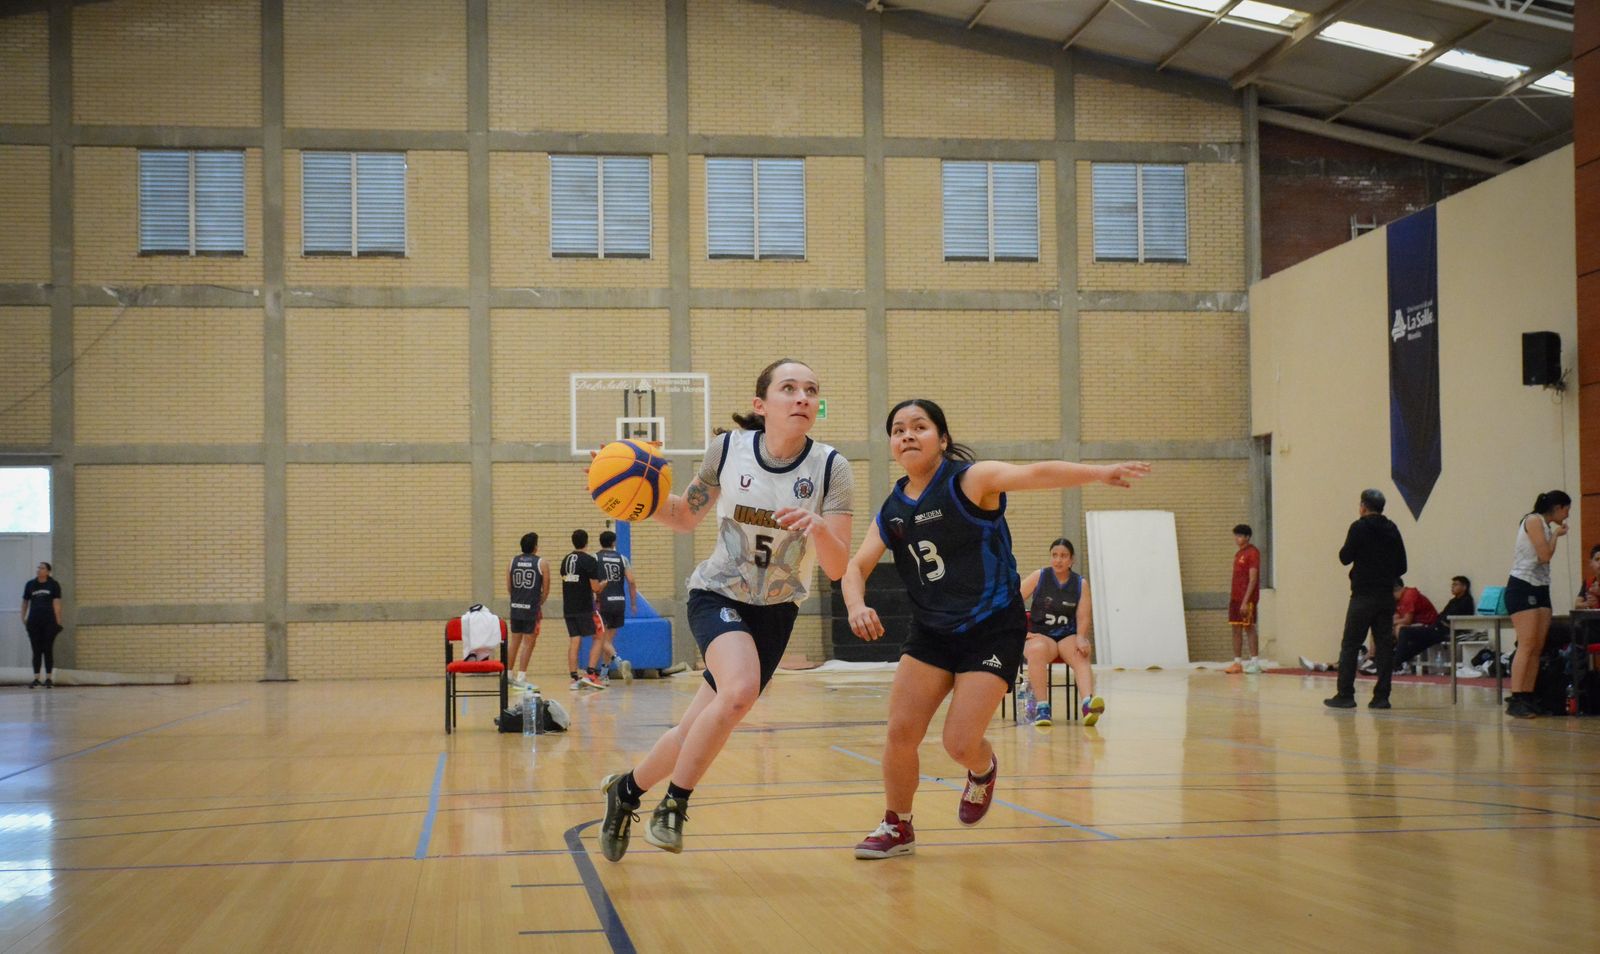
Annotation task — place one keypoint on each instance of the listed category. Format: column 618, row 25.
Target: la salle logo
column 804, row 488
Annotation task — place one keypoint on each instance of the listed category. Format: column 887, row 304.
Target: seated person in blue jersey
column 945, row 522
column 1058, row 628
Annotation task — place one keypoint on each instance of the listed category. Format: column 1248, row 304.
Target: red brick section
column 1310, row 186
column 1586, row 156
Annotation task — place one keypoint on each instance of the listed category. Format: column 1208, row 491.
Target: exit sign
column 822, row 409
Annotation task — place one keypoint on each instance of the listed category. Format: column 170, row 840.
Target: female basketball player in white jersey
column 945, row 522
column 782, row 499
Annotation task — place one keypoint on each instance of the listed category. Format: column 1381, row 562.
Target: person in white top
column 783, row 502
column 1528, row 595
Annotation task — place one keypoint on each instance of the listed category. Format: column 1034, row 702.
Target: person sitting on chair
column 1414, row 639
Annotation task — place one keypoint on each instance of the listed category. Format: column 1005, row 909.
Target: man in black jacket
column 1377, row 558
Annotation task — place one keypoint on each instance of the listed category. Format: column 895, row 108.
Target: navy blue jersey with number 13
column 954, row 557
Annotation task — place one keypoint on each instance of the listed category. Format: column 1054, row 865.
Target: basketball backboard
column 671, row 407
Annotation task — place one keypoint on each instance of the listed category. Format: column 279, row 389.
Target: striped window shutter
column 219, row 202
column 163, row 201
column 781, row 208
column 966, row 211
column 1116, row 212
column 626, row 200
column 1164, row 213
column 574, row 206
column 381, row 203
column 730, row 208
column 325, row 203
column 1016, row 211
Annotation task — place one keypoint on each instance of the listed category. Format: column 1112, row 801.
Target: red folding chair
column 454, row 667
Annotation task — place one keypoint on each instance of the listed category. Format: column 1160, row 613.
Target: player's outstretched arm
column 864, row 620
column 684, row 513
column 990, row 478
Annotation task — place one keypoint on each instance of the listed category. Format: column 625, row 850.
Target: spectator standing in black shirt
column 41, row 614
column 1377, row 558
column 580, row 581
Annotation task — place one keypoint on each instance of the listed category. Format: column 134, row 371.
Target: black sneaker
column 1519, row 708
column 1378, row 704
column 49, row 683
column 34, row 684
column 666, row 825
column 620, row 816
column 1339, row 702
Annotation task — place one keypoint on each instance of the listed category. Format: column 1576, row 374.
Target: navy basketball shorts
column 524, row 624
column 613, row 619
column 578, row 626
column 712, row 614
column 1522, row 595
column 992, row 645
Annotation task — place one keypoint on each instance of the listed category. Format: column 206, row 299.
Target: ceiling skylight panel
column 1557, row 82
column 1268, row 13
column 1375, row 40
column 1481, row 65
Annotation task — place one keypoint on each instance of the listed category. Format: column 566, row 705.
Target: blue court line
column 610, row 921
column 433, row 809
column 120, row 738
column 999, row 801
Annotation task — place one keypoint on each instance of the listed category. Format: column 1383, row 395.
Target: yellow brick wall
column 167, row 375
column 550, row 500
column 24, row 213
column 835, row 233
column 914, row 225
column 387, row 649
column 519, row 227
column 380, row 532
column 1206, row 497
column 160, row 63
column 733, row 347
column 1164, row 376
column 1216, row 238
column 169, row 533
column 376, row 375
column 570, row 65
column 534, row 351
column 1108, row 110
column 25, row 388
column 106, row 227
column 25, row 68
column 1210, row 636
column 933, row 89
column 436, row 229
column 375, row 64
column 759, row 70
column 1035, row 521
column 995, row 373
column 210, row 652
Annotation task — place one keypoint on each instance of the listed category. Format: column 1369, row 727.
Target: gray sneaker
column 666, row 825
column 625, row 669
column 620, row 816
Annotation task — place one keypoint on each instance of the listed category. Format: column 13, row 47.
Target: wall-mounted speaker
column 1541, row 358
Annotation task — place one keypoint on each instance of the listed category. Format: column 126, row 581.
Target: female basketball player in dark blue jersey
column 1058, row 628
column 945, row 523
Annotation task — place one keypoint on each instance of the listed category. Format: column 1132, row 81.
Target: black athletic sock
column 628, row 789
column 681, row 794
column 593, row 672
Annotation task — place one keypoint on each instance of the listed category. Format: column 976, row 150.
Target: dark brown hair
column 750, row 420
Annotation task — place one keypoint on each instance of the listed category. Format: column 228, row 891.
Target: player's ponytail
column 952, row 450
column 750, row 420
column 1550, row 500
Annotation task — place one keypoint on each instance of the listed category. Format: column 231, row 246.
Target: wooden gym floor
column 1206, row 813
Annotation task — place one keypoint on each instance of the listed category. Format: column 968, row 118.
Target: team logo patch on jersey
column 729, row 615
column 804, row 488
column 897, row 528
column 744, row 481
column 993, row 661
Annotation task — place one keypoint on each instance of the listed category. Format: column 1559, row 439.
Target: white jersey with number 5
column 756, row 561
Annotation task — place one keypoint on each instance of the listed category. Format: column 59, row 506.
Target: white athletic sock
column 1238, row 659
column 1255, row 659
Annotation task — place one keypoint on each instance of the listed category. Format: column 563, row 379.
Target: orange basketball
column 628, row 481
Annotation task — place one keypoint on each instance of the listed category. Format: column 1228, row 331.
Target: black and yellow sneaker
column 620, row 816
column 666, row 825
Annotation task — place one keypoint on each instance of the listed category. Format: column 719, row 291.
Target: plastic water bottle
column 1026, row 702
column 536, row 704
column 529, row 709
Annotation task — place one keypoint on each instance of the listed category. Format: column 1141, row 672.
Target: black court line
column 610, row 921
column 120, row 738
column 568, row 931
column 552, row 884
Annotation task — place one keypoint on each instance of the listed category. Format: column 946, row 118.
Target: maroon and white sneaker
column 892, row 837
column 976, row 797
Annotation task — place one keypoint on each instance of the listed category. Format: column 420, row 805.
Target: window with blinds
column 991, row 211
column 600, row 206
column 756, row 208
column 1141, row 213
column 353, row 203
column 191, row 202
